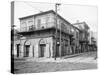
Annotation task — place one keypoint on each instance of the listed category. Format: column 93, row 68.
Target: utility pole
column 12, row 36
column 60, row 53
column 56, row 6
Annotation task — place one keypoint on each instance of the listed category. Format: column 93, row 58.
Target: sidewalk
column 73, row 55
column 58, row 59
column 77, row 58
column 71, row 60
column 43, row 58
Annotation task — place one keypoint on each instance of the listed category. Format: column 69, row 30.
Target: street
column 82, row 62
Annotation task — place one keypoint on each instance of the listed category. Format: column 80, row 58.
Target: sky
column 71, row 13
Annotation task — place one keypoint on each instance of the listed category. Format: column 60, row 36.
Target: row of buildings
column 37, row 36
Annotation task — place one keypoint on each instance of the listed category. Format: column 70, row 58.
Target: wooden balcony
column 44, row 27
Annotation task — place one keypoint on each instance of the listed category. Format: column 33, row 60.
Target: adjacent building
column 83, row 35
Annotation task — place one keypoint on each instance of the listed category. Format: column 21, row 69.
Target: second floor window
column 23, row 26
column 31, row 26
column 62, row 26
column 77, row 35
column 30, row 23
column 47, row 18
column 38, row 23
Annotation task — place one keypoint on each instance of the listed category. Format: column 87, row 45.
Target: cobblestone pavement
column 81, row 62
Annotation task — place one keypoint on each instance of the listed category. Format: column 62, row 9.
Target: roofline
column 44, row 13
column 78, row 23
column 50, row 11
column 41, row 13
column 76, row 28
column 81, row 23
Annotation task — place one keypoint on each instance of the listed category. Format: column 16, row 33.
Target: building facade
column 38, row 37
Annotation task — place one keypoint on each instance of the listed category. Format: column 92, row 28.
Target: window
column 38, row 23
column 31, row 26
column 30, row 23
column 67, row 28
column 59, row 24
column 62, row 26
column 72, row 30
column 23, row 26
column 77, row 35
column 47, row 19
column 66, row 42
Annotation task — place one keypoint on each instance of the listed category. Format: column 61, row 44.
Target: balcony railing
column 44, row 26
column 37, row 27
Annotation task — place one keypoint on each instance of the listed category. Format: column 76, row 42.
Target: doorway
column 18, row 50
column 42, row 49
column 57, row 51
column 26, row 53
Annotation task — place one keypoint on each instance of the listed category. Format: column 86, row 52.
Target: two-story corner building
column 38, row 36
column 83, row 35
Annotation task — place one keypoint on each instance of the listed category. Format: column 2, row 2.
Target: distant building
column 83, row 35
column 93, row 40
